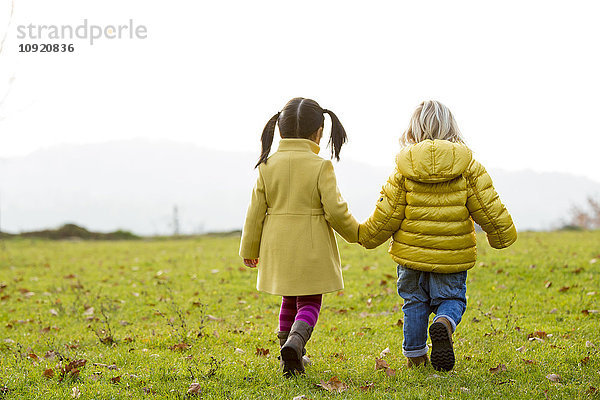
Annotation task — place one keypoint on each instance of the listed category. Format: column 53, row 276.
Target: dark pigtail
column 338, row 135
column 267, row 139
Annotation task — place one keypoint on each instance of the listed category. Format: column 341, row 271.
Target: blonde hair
column 431, row 120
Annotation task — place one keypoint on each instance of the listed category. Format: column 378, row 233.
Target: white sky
column 520, row 76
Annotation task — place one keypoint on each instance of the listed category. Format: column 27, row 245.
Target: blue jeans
column 424, row 293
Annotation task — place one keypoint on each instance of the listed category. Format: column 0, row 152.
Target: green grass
column 203, row 282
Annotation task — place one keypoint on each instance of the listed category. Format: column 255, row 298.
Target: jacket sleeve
column 334, row 206
column 486, row 208
column 255, row 217
column 388, row 214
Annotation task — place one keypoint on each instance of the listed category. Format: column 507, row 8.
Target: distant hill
column 71, row 232
column 133, row 185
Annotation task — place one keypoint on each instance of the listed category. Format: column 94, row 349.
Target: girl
column 428, row 206
column 295, row 204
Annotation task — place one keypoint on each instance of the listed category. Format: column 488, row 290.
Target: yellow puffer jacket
column 429, row 204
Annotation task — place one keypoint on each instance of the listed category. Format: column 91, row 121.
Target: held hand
column 251, row 262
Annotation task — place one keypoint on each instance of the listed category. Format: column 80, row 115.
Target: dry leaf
column 553, row 377
column 333, row 385
column 213, row 318
column 521, row 349
column 537, row 334
column 381, row 364
column 384, row 352
column 585, row 360
column 194, row 389
column 49, row 373
column 75, row 393
column 88, row 311
column 115, row 379
column 564, row 288
column 73, row 365
column 367, row 386
column 548, row 284
column 262, row 352
column 390, row 372
column 400, row 322
column 589, row 344
column 499, row 368
column 180, row 346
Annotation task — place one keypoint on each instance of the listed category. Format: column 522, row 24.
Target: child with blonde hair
column 428, row 206
column 289, row 225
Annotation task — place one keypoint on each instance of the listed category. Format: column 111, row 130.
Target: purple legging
column 299, row 308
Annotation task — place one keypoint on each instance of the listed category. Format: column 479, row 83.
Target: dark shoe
column 417, row 361
column 442, row 352
column 282, row 336
column 293, row 349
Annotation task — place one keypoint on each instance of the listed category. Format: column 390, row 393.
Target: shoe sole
column 292, row 365
column 442, row 353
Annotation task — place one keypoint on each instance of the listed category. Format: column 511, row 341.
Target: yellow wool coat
column 295, row 204
column 428, row 206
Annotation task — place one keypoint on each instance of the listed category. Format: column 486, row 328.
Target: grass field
column 146, row 319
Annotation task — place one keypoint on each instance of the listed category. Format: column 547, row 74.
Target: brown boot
column 417, row 361
column 293, row 349
column 442, row 351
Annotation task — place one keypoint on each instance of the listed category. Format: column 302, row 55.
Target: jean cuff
column 448, row 318
column 415, row 353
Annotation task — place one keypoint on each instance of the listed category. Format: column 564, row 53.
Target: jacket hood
column 433, row 161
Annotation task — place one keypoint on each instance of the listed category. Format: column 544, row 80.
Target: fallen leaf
column 49, row 373
column 75, row 393
column 381, row 364
column 522, row 349
column 553, row 377
column 564, row 288
column 499, row 368
column 115, row 379
column 384, row 352
column 548, row 284
column 88, row 311
column 333, row 385
column 262, row 352
column 390, row 372
column 589, row 344
column 537, row 334
column 400, row 322
column 32, row 356
column 553, row 311
column 75, row 364
column 528, row 361
column 367, row 386
column 585, row 360
column 213, row 318
column 180, row 346
column 194, row 389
